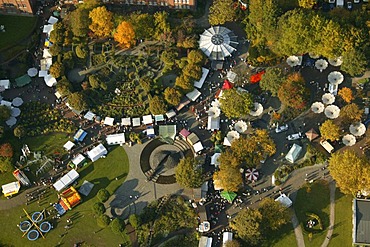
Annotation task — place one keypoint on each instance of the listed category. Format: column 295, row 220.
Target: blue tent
column 80, row 135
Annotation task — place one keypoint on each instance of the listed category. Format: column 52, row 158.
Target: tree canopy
column 346, row 94
column 6, row 150
column 188, row 174
column 56, row 69
column 157, row 105
column 351, row 113
column 101, row 22
column 143, row 24
column 162, row 25
column 247, row 225
column 79, row 22
column 351, row 172
column 307, row 4
column 235, row 104
column 228, row 178
column 330, row 131
column 272, row 80
column 184, row 83
column 125, row 34
column 293, row 92
column 4, row 113
column 172, row 96
column 221, row 11
column 354, row 62
column 77, row 101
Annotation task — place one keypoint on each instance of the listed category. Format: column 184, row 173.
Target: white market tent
column 45, row 63
column 336, row 61
column 69, row 145
column 199, row 84
column 136, row 122
column 52, row 20
column 50, row 81
column 78, row 159
column 147, row 119
column 11, row 188
column 66, row 180
column 158, row 118
column 43, row 73
column 17, row 101
column 116, row 139
column 126, row 121
column 214, row 112
column 257, row 109
column 293, row 61
column 48, row 28
column 218, row 42
column 332, row 111
column 32, row 72
column 226, row 236
column 193, row 95
column 317, row 107
column 293, row 153
column 46, row 53
column 89, row 115
column 335, row 77
column 170, row 114
column 214, row 159
column 321, row 64
column 6, row 103
column 349, row 140
column 213, row 123
column 284, row 200
column 11, row 121
column 5, row 84
column 205, row 241
column 357, row 129
column 109, row 121
column 58, row 95
column 198, row 147
column 231, row 76
column 15, row 112
column 241, row 126
column 97, row 152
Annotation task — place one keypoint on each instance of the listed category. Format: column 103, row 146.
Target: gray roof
column 362, row 222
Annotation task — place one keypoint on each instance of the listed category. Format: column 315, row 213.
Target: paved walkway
column 17, row 200
column 297, row 231
column 332, row 214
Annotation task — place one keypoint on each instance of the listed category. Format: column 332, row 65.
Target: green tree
column 103, row 221
column 351, row 113
column 192, row 71
column 228, row 178
column 94, row 81
column 77, row 101
column 350, row 171
column 185, row 83
column 221, row 11
column 235, row 104
column 293, row 92
column 354, row 62
column 157, row 106
column 247, row 225
column 274, row 215
column 98, row 208
column 168, row 57
column 232, row 243
column 307, row 4
column 68, row 59
column 57, row 35
column 162, row 25
column 6, row 165
column 330, row 131
column 81, row 52
column 56, row 69
column 188, row 174
column 79, row 22
column 272, row 80
column 117, row 226
column 101, row 22
column 64, row 87
column 19, row 131
column 6, row 150
column 143, row 25
column 134, row 220
column 4, row 113
column 103, row 195
column 196, row 57
column 55, row 50
column 172, row 96
column 146, row 83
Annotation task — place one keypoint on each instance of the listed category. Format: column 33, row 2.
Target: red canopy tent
column 227, row 85
column 256, row 77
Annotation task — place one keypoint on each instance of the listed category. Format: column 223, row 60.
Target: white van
column 328, row 147
column 340, row 3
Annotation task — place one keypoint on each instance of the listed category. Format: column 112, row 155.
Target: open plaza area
column 184, row 123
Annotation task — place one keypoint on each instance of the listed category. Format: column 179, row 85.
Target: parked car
column 331, row 1
column 349, row 6
column 281, row 128
column 295, row 136
column 356, row 1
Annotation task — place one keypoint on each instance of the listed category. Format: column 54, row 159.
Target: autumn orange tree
column 101, row 22
column 125, row 34
column 346, row 94
column 293, row 92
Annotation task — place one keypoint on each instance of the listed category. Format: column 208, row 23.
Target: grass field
column 106, row 173
column 318, row 202
column 343, row 221
column 285, row 237
column 17, row 28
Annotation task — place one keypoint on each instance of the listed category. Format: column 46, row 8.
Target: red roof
column 227, row 85
column 184, row 132
column 256, row 77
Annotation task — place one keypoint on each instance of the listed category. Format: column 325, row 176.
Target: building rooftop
column 361, row 231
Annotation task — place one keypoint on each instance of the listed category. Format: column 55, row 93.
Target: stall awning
column 80, row 135
column 69, row 145
column 126, row 121
column 116, row 139
column 89, row 115
column 109, row 121
column 147, row 119
column 136, row 122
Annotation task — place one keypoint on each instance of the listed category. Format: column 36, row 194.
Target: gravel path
column 332, row 214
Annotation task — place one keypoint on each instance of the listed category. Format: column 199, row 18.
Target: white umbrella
column 216, row 103
column 336, row 61
column 17, row 101
column 214, row 159
column 32, row 72
column 328, row 98
column 292, row 61
column 313, row 55
column 321, row 64
column 214, row 112
column 15, row 112
column 11, row 121
column 332, row 111
column 241, row 126
column 349, row 140
column 317, row 107
column 335, row 77
column 256, row 110
column 232, row 135
column 357, row 129
column 251, row 174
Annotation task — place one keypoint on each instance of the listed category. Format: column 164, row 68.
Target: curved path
column 297, row 231
column 332, row 214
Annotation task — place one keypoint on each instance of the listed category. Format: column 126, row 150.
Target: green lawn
column 103, row 174
column 343, row 221
column 318, row 202
column 17, row 28
column 285, row 237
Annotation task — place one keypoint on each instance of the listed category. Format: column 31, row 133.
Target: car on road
column 356, row 1
column 295, row 136
column 331, row 1
column 349, row 6
column 281, row 128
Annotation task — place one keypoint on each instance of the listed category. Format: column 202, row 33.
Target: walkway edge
column 332, row 214
column 297, row 230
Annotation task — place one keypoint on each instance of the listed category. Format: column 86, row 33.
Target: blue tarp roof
column 80, row 135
